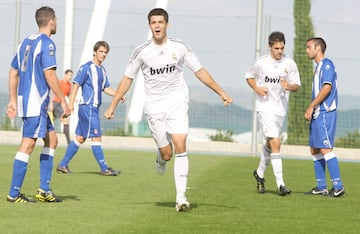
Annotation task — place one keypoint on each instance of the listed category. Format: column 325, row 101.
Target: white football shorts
column 271, row 124
column 162, row 125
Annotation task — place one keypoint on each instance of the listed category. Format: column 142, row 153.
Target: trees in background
column 298, row 127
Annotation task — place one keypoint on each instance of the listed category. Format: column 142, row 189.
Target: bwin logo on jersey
column 272, row 80
column 158, row 71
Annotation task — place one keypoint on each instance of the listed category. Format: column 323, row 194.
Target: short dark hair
column 158, row 11
column 318, row 41
column 67, row 71
column 276, row 37
column 43, row 15
column 101, row 43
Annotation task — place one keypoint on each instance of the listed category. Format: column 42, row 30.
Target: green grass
column 221, row 190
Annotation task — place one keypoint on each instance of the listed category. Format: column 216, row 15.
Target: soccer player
column 32, row 75
column 161, row 60
column 57, row 110
column 93, row 80
column 272, row 77
column 321, row 113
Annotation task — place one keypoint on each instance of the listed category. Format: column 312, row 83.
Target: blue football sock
column 71, row 150
column 46, row 166
column 20, row 167
column 99, row 155
column 319, row 168
column 334, row 171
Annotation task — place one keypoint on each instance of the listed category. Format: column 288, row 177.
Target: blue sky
column 222, row 33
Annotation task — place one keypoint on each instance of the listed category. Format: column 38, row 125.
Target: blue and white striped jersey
column 93, row 80
column 325, row 73
column 34, row 55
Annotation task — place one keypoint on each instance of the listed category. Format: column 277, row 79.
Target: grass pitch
column 222, row 193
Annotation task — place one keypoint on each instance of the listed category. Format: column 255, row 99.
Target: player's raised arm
column 122, row 88
column 204, row 76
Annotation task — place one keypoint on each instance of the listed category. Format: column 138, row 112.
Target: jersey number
column 26, row 58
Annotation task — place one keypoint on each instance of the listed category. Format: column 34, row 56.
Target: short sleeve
column 133, row 67
column 48, row 55
column 191, row 60
column 80, row 76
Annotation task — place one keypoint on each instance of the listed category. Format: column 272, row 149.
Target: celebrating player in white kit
column 161, row 60
column 272, row 77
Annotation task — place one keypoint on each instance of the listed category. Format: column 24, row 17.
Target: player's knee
column 166, row 152
column 53, row 144
column 51, row 141
column 167, row 157
column 80, row 139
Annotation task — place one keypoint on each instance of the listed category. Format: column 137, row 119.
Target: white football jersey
column 269, row 72
column 162, row 67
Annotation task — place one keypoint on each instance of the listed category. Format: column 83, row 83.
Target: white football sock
column 276, row 163
column 264, row 161
column 181, row 171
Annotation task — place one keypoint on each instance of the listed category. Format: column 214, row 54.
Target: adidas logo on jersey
column 159, row 71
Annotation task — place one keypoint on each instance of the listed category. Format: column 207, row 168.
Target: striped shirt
column 325, row 73
column 93, row 80
column 34, row 55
